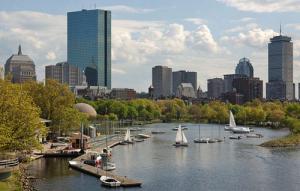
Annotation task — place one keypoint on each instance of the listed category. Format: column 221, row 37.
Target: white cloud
column 253, row 37
column 51, row 55
column 126, row 9
column 244, row 19
column 196, row 21
column 264, row 5
column 42, row 36
column 117, row 71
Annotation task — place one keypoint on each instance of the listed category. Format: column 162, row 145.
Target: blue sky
column 207, row 36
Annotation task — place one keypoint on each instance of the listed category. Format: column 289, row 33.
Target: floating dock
column 97, row 172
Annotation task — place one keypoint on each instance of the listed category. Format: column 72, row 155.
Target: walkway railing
column 9, row 163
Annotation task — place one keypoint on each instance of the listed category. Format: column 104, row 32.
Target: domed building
column 21, row 67
column 244, row 67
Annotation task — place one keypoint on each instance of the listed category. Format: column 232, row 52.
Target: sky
column 206, row 36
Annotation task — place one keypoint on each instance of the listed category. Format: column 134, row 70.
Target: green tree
column 20, row 124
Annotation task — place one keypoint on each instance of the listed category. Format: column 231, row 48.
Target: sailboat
column 201, row 139
column 233, row 128
column 127, row 138
column 180, row 138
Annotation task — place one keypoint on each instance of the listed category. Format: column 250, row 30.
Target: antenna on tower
column 280, row 28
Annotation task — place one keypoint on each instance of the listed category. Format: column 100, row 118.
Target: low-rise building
column 185, row 90
column 90, row 92
column 123, row 93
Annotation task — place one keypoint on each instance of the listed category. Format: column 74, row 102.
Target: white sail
column 127, row 135
column 231, row 121
column 184, row 140
column 179, row 135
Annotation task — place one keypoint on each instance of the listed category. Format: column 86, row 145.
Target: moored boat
column 109, row 181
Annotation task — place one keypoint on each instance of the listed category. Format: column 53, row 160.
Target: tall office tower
column 65, row 73
column 20, row 67
column 89, row 45
column 244, row 67
column 184, row 77
column 215, row 88
column 250, row 88
column 280, row 69
column 162, row 81
column 228, row 79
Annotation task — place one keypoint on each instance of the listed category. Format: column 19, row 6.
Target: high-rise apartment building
column 89, row 45
column 184, row 77
column 162, row 81
column 65, row 73
column 21, row 67
column 280, row 69
column 215, row 88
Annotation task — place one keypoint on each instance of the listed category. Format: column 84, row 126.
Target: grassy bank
column 11, row 183
column 291, row 140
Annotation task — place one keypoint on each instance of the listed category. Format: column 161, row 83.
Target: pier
column 97, row 172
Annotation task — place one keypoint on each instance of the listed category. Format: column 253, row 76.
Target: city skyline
column 145, row 34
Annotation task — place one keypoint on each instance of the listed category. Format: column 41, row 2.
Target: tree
column 20, row 124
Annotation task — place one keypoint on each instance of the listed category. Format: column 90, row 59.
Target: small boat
column 109, row 166
column 144, row 136
column 235, row 137
column 251, row 129
column 256, row 135
column 176, row 128
column 201, row 139
column 139, row 140
column 180, row 138
column 109, row 181
column 158, row 132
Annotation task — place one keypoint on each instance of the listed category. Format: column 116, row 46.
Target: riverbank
column 291, row 140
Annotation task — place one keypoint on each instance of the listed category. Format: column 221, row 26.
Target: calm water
column 231, row 165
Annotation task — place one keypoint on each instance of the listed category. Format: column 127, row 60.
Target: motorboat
column 180, row 138
column 233, row 128
column 139, row 140
column 109, row 166
column 235, row 137
column 109, row 181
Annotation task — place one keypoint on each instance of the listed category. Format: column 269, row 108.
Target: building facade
column 280, row 69
column 228, row 79
column 244, row 67
column 21, row 68
column 250, row 88
column 162, row 81
column 65, row 73
column 123, row 93
column 215, row 88
column 185, row 90
column 184, row 77
column 233, row 97
column 89, row 45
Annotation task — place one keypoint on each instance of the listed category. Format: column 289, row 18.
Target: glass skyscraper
column 89, row 45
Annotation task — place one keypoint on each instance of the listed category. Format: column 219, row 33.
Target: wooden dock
column 97, row 172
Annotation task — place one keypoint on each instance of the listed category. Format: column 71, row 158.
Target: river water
column 230, row 165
